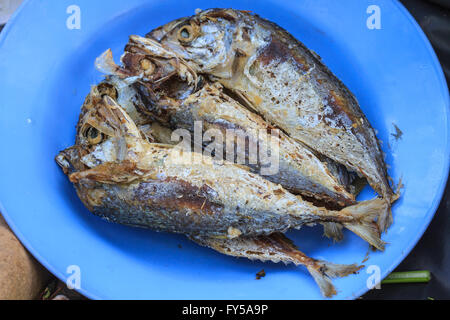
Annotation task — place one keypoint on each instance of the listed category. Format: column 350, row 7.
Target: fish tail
column 323, row 272
column 333, row 231
column 385, row 219
column 276, row 247
column 365, row 213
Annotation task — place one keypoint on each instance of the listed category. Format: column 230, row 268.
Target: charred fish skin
column 125, row 178
column 285, row 82
column 299, row 171
column 278, row 248
column 178, row 198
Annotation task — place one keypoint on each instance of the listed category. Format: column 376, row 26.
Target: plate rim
column 428, row 218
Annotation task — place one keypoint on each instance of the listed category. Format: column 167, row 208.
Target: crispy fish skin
column 286, row 83
column 278, row 248
column 299, row 170
column 196, row 199
column 126, row 179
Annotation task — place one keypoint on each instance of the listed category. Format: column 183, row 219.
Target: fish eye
column 147, row 66
column 186, row 33
column 94, row 136
column 108, row 90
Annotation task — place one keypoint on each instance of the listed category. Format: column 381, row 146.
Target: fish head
column 158, row 74
column 160, row 77
column 143, row 60
column 148, row 60
column 203, row 40
column 157, row 64
column 105, row 133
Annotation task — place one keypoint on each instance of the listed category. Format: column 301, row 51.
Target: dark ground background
column 433, row 250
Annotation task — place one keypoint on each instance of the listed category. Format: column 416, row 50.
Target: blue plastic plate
column 46, row 70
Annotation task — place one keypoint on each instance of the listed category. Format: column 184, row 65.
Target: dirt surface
column 21, row 276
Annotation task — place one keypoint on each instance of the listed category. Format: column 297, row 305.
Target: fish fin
column 106, row 65
column 386, row 219
column 364, row 225
column 277, row 247
column 323, row 272
column 333, row 231
column 109, row 172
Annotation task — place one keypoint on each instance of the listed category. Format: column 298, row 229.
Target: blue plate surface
column 46, row 70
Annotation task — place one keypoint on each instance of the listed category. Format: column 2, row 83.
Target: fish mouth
column 70, row 160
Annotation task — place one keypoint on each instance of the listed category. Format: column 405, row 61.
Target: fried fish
column 297, row 168
column 122, row 177
column 277, row 76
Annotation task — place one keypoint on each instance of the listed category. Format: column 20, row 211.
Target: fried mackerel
column 298, row 169
column 277, row 76
column 123, row 178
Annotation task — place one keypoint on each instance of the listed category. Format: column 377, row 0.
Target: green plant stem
column 408, row 277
